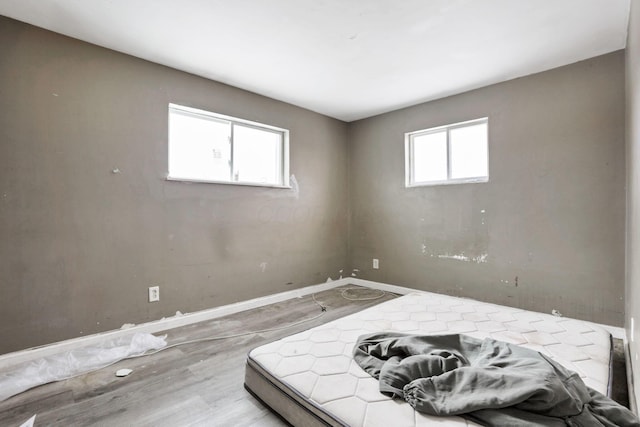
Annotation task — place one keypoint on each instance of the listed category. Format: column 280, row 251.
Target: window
column 451, row 154
column 209, row 147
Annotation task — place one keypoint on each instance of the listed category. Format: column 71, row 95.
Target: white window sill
column 244, row 184
column 448, row 182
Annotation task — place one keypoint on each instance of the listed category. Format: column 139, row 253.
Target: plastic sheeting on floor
column 75, row 362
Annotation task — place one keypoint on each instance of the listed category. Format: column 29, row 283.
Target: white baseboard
column 9, row 359
column 381, row 286
column 615, row 331
column 21, row 356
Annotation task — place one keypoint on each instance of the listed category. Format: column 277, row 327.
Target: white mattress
column 312, row 379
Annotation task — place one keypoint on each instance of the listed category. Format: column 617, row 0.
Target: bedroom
column 89, row 221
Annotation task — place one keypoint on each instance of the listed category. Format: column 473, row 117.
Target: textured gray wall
column 552, row 215
column 633, row 192
column 79, row 245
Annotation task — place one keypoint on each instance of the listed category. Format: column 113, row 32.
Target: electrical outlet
column 376, row 264
column 154, row 293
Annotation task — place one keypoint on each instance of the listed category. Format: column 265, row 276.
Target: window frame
column 209, row 115
column 410, row 160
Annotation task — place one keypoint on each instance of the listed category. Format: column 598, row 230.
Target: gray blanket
column 490, row 382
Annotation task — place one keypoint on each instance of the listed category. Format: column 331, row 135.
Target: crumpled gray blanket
column 489, row 382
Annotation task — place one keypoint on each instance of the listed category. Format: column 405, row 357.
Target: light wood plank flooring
column 191, row 385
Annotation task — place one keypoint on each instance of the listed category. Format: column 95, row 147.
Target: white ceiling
column 348, row 59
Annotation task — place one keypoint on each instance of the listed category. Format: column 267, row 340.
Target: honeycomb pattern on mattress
column 318, row 362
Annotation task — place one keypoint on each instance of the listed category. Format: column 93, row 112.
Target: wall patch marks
column 480, row 259
column 295, row 188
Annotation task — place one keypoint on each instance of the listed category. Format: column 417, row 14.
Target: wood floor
column 190, row 385
column 194, row 384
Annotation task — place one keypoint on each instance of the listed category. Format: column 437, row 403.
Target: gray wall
column 633, row 192
column 552, row 215
column 80, row 245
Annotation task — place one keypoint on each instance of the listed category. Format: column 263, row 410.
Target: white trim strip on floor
column 8, row 359
column 164, row 324
column 615, row 331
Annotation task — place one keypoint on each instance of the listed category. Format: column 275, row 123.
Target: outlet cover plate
column 154, row 293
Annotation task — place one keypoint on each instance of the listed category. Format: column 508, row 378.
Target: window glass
column 200, row 147
column 257, row 155
column 430, row 157
column 469, row 151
